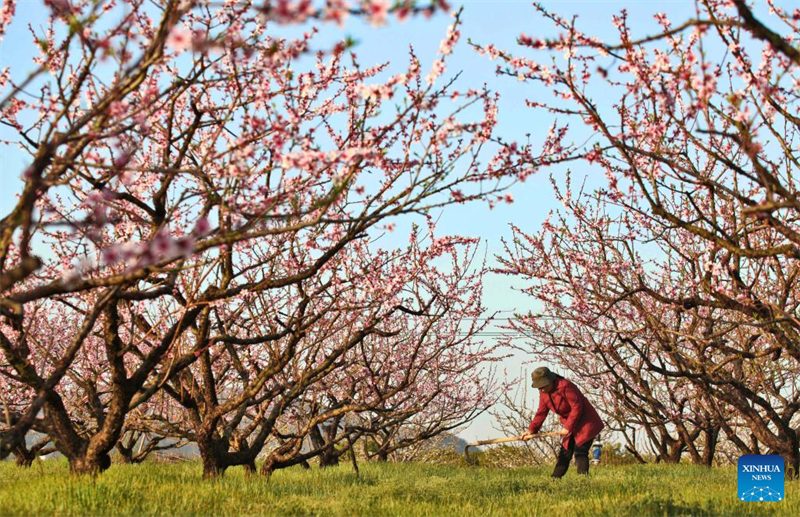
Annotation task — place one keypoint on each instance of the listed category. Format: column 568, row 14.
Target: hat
column 542, row 376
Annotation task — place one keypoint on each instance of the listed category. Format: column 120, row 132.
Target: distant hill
column 451, row 441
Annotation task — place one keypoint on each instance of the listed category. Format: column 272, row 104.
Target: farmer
column 581, row 423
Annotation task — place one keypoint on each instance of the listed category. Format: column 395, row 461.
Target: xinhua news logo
column 761, row 478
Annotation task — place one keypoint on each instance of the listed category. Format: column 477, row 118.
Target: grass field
column 382, row 489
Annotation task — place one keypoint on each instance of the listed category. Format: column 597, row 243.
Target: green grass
column 382, row 489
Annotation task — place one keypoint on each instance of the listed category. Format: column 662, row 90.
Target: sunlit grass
column 381, row 489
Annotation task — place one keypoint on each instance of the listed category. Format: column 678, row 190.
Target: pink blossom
column 118, row 109
column 122, row 159
column 6, row 14
column 593, row 155
column 179, row 39
column 447, row 44
column 437, row 69
column 60, row 7
column 201, row 227
column 377, row 11
column 337, row 11
column 163, row 246
column 403, row 11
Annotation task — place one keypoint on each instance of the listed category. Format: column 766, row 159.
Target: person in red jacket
column 581, row 423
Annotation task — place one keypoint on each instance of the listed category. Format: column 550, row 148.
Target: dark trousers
column 565, row 456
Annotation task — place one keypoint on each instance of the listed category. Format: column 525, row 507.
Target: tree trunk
column 674, row 451
column 792, row 470
column 694, row 454
column 212, row 464
column 125, row 453
column 285, row 455
column 710, row 449
column 23, row 457
column 353, row 459
column 329, row 458
column 89, row 465
column 268, row 467
column 754, row 446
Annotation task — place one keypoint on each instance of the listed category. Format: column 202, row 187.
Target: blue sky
column 498, row 22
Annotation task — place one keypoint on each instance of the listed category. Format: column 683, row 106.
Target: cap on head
column 542, row 377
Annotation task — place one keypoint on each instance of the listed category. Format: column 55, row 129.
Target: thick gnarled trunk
column 89, row 464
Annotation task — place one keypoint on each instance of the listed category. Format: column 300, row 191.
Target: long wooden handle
column 507, row 439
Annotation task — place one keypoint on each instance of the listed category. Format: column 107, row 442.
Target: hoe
column 473, row 461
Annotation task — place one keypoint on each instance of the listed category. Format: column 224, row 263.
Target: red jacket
column 576, row 413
